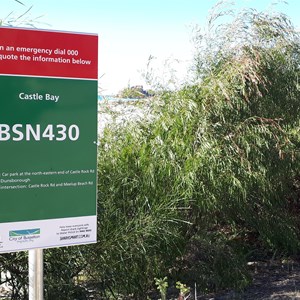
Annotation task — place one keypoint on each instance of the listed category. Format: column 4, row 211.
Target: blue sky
column 132, row 30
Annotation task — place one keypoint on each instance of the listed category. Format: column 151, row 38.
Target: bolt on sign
column 48, row 138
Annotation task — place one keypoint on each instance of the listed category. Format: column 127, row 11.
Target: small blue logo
column 24, row 232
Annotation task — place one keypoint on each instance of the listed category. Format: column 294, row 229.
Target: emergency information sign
column 48, row 138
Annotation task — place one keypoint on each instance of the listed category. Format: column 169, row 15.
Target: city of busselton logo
column 24, row 232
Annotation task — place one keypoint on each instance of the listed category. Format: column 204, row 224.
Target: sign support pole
column 36, row 270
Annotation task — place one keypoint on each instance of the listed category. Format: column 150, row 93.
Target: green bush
column 63, row 268
column 218, row 160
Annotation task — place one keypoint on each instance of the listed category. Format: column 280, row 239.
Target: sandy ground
column 274, row 280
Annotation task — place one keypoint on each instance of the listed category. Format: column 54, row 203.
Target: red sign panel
column 23, row 54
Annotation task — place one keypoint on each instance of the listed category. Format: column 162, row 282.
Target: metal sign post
column 36, row 274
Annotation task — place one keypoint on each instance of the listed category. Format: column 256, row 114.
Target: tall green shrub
column 249, row 94
column 214, row 167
